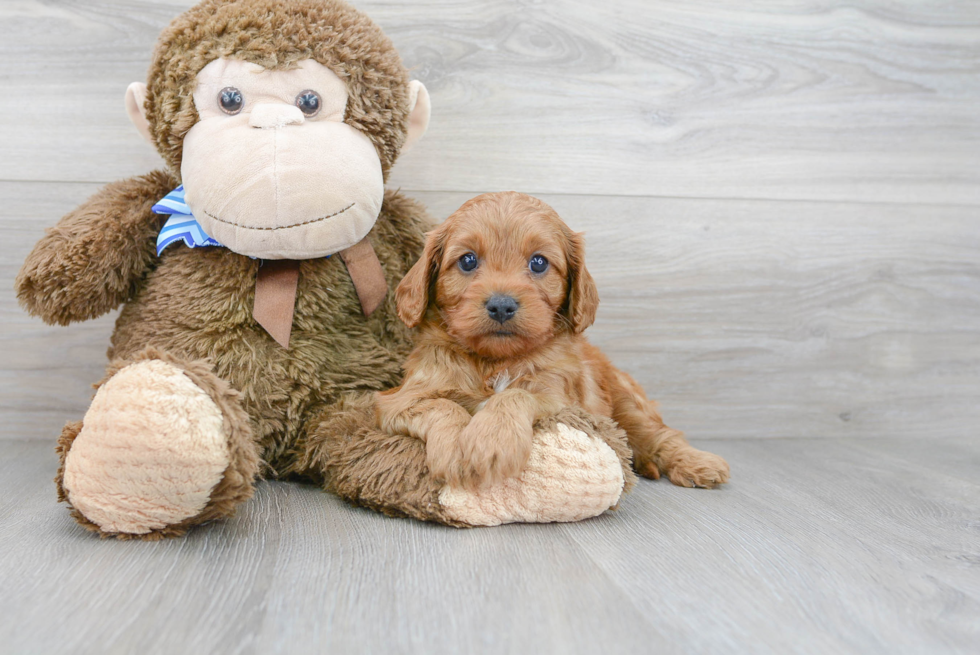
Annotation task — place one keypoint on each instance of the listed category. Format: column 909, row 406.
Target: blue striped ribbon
column 181, row 226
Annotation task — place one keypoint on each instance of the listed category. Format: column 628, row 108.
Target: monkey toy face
column 275, row 161
column 271, row 170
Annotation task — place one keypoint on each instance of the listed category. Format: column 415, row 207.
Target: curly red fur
column 474, row 386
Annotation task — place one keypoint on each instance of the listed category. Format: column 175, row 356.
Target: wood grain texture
column 816, row 546
column 780, row 206
column 780, row 202
column 770, row 318
column 46, row 372
column 743, row 318
column 819, row 545
column 813, row 99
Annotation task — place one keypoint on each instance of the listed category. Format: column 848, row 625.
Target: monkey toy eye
column 230, row 100
column 308, row 103
column 538, row 264
column 468, row 262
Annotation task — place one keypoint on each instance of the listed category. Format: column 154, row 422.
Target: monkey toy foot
column 571, row 475
column 163, row 446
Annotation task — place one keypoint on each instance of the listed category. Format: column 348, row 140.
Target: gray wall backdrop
column 781, row 202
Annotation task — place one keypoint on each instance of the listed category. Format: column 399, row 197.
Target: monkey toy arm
column 96, row 256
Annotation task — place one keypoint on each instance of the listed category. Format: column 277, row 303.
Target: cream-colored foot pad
column 151, row 449
column 569, row 477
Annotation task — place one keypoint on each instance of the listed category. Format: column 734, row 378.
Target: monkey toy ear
column 418, row 118
column 135, row 99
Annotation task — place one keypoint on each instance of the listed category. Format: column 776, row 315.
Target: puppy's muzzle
column 501, row 308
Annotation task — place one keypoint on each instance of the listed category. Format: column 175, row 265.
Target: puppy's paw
column 697, row 468
column 491, row 449
column 442, row 455
column 647, row 468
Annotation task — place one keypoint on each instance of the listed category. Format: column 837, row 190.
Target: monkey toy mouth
column 280, row 227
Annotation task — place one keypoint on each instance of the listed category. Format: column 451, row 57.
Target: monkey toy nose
column 501, row 308
column 273, row 115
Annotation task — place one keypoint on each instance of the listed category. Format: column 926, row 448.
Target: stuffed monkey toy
column 254, row 275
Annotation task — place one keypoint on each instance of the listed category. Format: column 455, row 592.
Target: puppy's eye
column 308, row 103
column 468, row 262
column 230, row 100
column 538, row 264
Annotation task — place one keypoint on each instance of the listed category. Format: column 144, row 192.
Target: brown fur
column 274, row 36
column 194, row 305
column 235, row 486
column 300, row 406
column 368, row 467
column 197, row 305
column 388, row 473
column 95, row 259
column 473, row 434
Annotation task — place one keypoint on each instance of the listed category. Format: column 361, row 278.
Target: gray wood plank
column 744, row 318
column 818, row 545
column 862, row 100
column 815, row 547
column 297, row 571
column 958, row 457
column 445, row 591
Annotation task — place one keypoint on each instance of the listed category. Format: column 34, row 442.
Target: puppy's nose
column 501, row 308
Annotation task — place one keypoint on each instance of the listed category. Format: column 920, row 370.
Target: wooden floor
column 817, row 546
column 782, row 209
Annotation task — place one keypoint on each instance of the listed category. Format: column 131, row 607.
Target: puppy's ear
column 583, row 296
column 412, row 294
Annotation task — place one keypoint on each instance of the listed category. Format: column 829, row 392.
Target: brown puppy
column 503, row 295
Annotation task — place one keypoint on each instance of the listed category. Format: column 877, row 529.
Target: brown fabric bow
column 277, row 280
